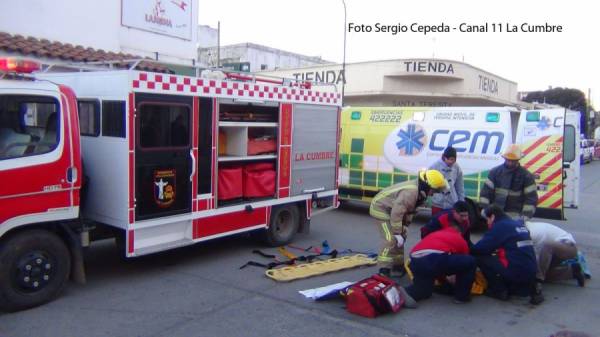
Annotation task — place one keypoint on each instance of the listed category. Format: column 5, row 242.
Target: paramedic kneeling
column 513, row 268
column 441, row 253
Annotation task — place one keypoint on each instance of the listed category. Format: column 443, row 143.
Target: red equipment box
column 229, row 184
column 259, row 180
column 261, row 145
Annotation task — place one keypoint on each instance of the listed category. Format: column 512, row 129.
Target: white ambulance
column 157, row 160
column 381, row 146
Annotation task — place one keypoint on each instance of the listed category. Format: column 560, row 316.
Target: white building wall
column 207, row 36
column 406, row 82
column 95, row 24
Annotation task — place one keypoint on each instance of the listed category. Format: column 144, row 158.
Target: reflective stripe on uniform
column 378, row 214
column 530, row 188
column 484, row 200
column 524, row 243
column 515, row 193
column 386, row 232
column 384, row 256
column 528, row 208
column 489, row 183
column 502, row 192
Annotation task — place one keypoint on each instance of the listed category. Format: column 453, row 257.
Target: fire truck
column 156, row 160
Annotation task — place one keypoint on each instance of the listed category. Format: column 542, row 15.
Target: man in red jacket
column 441, row 253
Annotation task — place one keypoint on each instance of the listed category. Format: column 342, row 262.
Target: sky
column 535, row 61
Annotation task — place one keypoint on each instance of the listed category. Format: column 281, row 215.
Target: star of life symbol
column 412, row 140
column 544, row 123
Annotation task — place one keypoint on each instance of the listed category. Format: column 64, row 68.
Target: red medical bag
column 259, row 180
column 229, row 184
column 261, row 145
column 373, row 296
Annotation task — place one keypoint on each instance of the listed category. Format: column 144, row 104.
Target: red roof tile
column 68, row 52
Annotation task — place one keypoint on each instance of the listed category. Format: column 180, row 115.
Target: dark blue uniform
column 512, row 270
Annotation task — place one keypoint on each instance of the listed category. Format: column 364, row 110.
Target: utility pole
column 218, row 44
column 344, row 60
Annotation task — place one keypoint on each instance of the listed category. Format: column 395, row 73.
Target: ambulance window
column 113, row 119
column 533, row 116
column 164, row 125
column 89, row 117
column 492, row 117
column 28, row 125
column 569, row 144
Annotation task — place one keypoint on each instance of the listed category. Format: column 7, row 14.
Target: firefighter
column 506, row 257
column 394, row 206
column 441, row 253
column 511, row 187
column 553, row 248
column 448, row 166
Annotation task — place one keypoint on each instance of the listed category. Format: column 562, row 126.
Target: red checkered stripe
column 164, row 83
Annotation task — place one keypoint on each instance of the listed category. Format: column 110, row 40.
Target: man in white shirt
column 553, row 246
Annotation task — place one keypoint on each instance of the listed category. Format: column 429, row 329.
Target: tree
column 573, row 99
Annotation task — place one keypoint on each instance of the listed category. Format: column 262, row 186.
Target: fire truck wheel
column 284, row 224
column 34, row 267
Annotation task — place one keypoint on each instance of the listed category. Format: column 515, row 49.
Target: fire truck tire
column 34, row 268
column 283, row 226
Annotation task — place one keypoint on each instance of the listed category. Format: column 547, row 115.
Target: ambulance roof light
column 17, row 65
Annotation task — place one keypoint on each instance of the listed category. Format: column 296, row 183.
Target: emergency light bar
column 16, row 65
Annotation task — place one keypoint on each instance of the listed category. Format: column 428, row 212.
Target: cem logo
column 411, row 146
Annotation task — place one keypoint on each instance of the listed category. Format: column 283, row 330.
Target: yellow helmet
column 434, row 178
column 513, row 152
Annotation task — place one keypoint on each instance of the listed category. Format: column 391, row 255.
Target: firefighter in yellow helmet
column 511, row 187
column 394, row 207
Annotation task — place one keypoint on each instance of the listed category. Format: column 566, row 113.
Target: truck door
column 541, row 136
column 163, row 157
column 571, row 159
column 37, row 171
column 313, row 148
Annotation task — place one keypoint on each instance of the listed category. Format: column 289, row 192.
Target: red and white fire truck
column 156, row 160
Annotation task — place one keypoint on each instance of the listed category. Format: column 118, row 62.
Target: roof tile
column 66, row 51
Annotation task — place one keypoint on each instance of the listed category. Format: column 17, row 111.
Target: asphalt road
column 200, row 291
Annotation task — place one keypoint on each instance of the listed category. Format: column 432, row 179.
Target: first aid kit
column 374, row 296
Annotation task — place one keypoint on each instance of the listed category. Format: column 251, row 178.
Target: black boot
column 536, row 293
column 578, row 274
column 387, row 272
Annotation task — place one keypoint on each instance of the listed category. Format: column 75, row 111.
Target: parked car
column 597, row 149
column 587, row 150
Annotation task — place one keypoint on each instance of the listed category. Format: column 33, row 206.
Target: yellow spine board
column 319, row 267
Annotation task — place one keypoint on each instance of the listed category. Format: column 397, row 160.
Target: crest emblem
column 164, row 188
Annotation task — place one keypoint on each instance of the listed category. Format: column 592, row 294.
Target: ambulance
column 156, row 160
column 381, row 146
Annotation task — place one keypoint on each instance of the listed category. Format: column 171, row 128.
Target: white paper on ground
column 316, row 293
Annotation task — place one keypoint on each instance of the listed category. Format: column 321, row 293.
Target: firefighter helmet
column 513, row 152
column 434, row 178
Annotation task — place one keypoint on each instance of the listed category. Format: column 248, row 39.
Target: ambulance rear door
column 541, row 135
column 571, row 159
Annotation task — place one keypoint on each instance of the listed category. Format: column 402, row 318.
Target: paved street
column 199, row 291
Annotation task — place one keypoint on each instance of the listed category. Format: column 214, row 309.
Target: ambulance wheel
column 283, row 226
column 34, row 268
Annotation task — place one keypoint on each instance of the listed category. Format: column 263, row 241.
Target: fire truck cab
column 157, row 160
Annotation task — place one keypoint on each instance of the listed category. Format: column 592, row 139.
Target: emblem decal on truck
column 164, row 187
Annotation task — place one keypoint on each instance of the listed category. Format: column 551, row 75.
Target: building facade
column 163, row 30
column 411, row 82
column 254, row 57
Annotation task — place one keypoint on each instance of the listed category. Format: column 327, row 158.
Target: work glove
column 399, row 241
